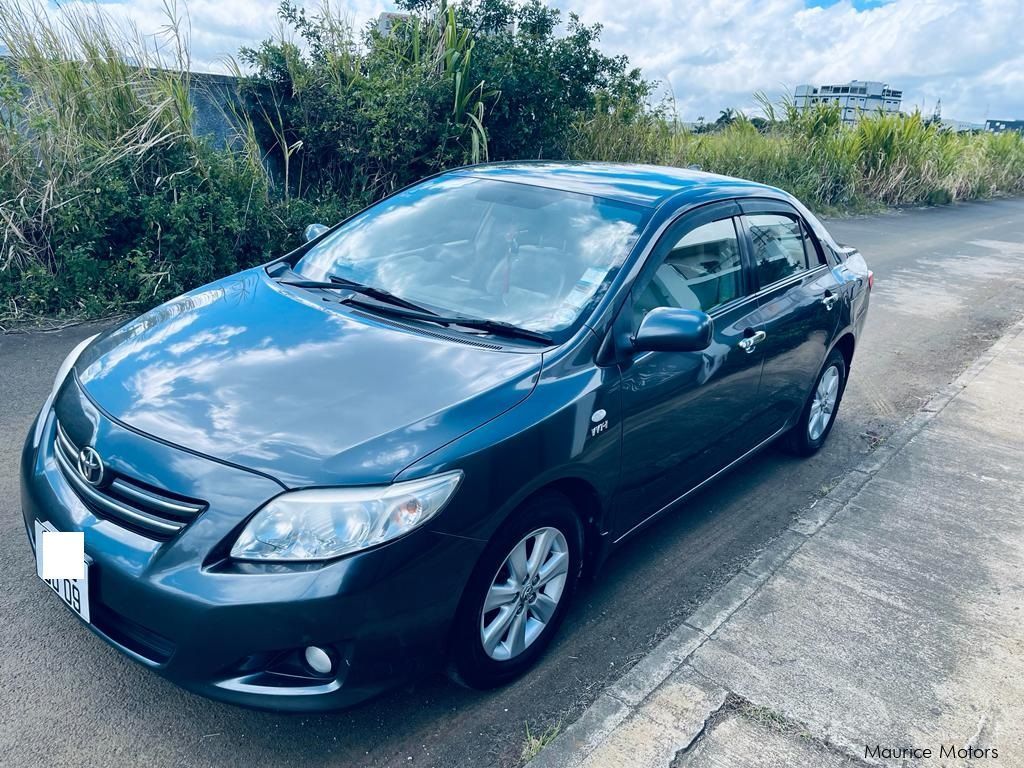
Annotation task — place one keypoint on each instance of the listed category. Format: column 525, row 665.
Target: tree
column 361, row 121
column 726, row 117
column 540, row 82
column 449, row 85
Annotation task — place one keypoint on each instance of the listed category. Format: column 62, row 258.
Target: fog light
column 319, row 660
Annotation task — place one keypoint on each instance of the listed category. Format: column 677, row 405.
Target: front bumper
column 233, row 631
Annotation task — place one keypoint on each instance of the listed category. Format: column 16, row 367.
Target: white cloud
column 716, row 53
column 216, row 29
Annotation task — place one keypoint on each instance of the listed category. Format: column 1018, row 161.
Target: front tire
column 518, row 594
column 812, row 429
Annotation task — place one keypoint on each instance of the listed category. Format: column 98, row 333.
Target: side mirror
column 668, row 329
column 313, row 231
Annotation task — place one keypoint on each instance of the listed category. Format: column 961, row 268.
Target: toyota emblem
column 90, row 465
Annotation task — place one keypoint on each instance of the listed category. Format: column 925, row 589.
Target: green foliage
column 539, row 82
column 451, row 85
column 883, row 160
column 107, row 199
column 110, row 202
column 336, row 117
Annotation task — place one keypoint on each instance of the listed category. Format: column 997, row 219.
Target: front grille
column 152, row 512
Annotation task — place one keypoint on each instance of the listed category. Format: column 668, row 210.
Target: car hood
column 275, row 379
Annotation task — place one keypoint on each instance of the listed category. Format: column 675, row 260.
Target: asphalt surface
column 948, row 281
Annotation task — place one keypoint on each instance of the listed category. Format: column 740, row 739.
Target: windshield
column 533, row 257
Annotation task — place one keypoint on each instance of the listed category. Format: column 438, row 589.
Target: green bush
column 362, row 124
column 109, row 202
column 537, row 82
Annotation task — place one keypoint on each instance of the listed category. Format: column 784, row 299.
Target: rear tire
column 518, row 594
column 812, row 429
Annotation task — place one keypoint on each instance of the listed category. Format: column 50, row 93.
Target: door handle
column 748, row 343
column 829, row 300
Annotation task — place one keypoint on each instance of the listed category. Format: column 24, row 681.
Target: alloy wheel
column 524, row 594
column 826, row 396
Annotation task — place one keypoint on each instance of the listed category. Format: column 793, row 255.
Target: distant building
column 1001, row 126
column 960, row 126
column 853, row 98
column 386, row 22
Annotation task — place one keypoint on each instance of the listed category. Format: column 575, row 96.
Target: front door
column 798, row 300
column 686, row 414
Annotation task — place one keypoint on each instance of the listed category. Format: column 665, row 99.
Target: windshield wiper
column 414, row 311
column 378, row 293
column 343, row 284
column 501, row 328
column 496, row 327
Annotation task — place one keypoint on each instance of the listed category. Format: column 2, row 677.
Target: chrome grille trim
column 108, row 504
column 70, row 450
column 134, row 492
column 140, row 508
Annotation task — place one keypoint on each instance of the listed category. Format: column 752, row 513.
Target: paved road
column 949, row 280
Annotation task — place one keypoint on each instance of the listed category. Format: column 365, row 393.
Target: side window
column 780, row 247
column 701, row 271
column 815, row 248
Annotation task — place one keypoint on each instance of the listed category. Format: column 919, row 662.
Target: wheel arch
column 845, row 345
column 583, row 498
column 586, row 500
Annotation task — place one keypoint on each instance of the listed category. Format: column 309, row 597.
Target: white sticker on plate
column 63, row 555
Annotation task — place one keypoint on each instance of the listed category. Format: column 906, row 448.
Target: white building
column 387, row 22
column 961, row 126
column 854, row 97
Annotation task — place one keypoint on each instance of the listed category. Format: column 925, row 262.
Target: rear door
column 798, row 306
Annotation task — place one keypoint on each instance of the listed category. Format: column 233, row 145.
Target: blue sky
column 711, row 54
column 860, row 5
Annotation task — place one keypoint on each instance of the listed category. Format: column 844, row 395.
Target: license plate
column 74, row 592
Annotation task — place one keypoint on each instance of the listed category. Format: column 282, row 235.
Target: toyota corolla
column 400, row 445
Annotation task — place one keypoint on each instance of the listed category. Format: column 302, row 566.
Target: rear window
column 780, row 246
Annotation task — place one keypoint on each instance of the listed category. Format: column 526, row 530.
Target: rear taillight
column 871, row 279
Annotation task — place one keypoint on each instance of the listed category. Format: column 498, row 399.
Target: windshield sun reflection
column 532, row 257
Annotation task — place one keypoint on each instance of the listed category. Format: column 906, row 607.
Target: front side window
column 779, row 246
column 702, row 271
column 533, row 257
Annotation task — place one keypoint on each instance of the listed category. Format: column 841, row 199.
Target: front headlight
column 323, row 523
column 68, row 364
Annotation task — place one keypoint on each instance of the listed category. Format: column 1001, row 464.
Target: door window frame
column 756, row 206
column 685, row 223
column 620, row 329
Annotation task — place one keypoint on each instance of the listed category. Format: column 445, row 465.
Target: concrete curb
column 621, row 700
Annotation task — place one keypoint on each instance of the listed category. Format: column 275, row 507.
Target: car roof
column 645, row 185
